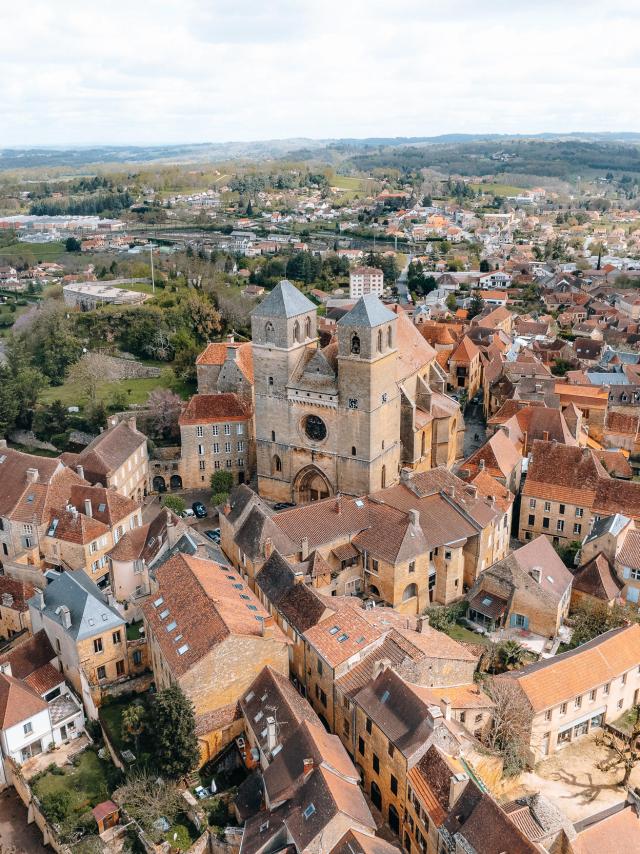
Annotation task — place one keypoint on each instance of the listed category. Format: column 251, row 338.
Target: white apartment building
column 365, row 280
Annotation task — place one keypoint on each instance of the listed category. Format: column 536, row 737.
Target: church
column 347, row 417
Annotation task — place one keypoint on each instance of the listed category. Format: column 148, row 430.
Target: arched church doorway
column 311, row 485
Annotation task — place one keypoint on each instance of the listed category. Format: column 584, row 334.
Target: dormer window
column 355, row 345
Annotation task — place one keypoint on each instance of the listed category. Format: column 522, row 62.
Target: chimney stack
column 339, row 505
column 457, row 784
column 3, row 443
column 545, row 435
column 268, row 548
column 380, row 666
column 65, row 616
column 482, row 465
column 445, row 704
column 536, row 573
column 304, row 549
column 307, row 765
column 32, row 475
column 39, row 597
column 422, row 624
column 88, row 510
column 414, row 517
column 80, row 470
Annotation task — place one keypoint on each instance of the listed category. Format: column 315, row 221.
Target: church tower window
column 389, row 338
column 269, row 332
column 379, row 340
column 296, row 331
column 307, row 328
column 355, row 345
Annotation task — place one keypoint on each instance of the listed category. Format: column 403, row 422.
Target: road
column 401, row 283
column 475, row 433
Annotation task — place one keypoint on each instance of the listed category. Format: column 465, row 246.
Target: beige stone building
column 117, row 459
column 465, row 368
column 578, row 691
column 216, row 434
column 209, row 633
column 226, row 367
column 14, row 610
column 343, row 418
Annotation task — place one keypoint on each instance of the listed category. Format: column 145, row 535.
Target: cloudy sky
column 171, row 71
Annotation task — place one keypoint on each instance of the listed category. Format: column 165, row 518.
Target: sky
column 188, row 71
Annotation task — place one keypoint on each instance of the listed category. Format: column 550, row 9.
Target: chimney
column 307, row 766
column 111, row 600
column 32, row 475
column 266, row 626
column 545, row 435
column 3, row 443
column 80, row 470
column 88, row 510
column 450, row 491
column 268, row 548
column 339, row 505
column 230, row 339
column 65, row 616
column 226, row 509
column 169, row 516
column 482, row 465
column 39, row 597
column 445, row 705
column 272, row 738
column 231, row 353
column 457, row 784
column 536, row 573
column 423, row 624
column 132, row 422
column 305, row 548
column 472, row 490
column 414, row 518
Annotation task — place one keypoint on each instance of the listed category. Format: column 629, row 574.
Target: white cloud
column 158, row 71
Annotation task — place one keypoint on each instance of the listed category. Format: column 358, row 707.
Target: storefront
column 580, row 726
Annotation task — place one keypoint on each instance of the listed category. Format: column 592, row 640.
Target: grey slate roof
column 285, row 300
column 606, row 525
column 368, row 311
column 90, row 613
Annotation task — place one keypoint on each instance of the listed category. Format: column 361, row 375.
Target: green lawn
column 87, row 783
column 462, row 633
column 498, row 189
column 182, row 834
column 137, row 391
column 111, row 717
column 133, row 631
column 34, row 252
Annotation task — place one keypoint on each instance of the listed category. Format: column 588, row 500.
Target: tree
column 511, row 654
column 175, row 503
column 172, row 732
column 52, row 342
column 476, row 306
column 164, row 408
column 133, row 723
column 568, row 552
column 249, row 208
column 593, row 619
column 221, row 486
column 72, row 244
column 9, row 404
column 202, row 318
column 451, row 303
column 511, row 726
column 624, row 749
column 485, row 267
column 148, row 798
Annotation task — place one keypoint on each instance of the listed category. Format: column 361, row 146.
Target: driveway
column 571, row 780
column 16, row 836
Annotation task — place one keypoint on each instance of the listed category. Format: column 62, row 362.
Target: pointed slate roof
column 285, row 300
column 368, row 311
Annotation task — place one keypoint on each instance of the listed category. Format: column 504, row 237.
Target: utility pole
column 153, row 281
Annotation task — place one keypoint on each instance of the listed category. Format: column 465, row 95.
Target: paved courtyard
column 571, row 780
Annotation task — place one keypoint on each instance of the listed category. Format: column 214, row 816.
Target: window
column 319, row 667
column 563, row 709
column 216, row 464
column 376, row 764
column 240, row 429
column 216, row 447
column 120, row 668
column 623, row 679
column 606, row 688
column 360, row 745
column 27, row 728
column 353, row 450
column 200, row 431
column 227, row 429
column 394, row 785
column 562, row 510
column 240, row 462
column 202, row 465
column 592, row 696
column 345, row 728
column 579, row 512
column 577, row 529
column 228, row 464
column 240, row 446
column 355, row 345
column 97, row 645
column 383, row 477
column 545, row 522
column 369, row 726
column 227, row 447
column 277, row 463
column 270, row 380
column 560, row 525
column 379, row 340
column 532, row 519
column 620, row 703
column 547, row 715
column 577, row 702
column 391, row 749
column 547, row 507
column 200, row 450
column 215, row 429
column 102, row 672
column 389, row 337
column 273, row 435
column 137, row 657
column 532, row 503
column 117, row 637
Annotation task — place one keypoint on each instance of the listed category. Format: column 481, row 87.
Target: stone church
column 347, row 417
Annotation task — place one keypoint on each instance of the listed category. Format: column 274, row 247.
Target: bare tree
column 510, row 731
column 148, row 798
column 164, row 409
column 624, row 749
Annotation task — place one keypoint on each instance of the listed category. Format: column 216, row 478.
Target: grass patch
column 111, row 718
column 498, row 189
column 137, row 391
column 182, row 834
column 133, row 631
column 34, row 253
column 626, row 722
column 139, row 287
column 87, row 784
column 462, row 633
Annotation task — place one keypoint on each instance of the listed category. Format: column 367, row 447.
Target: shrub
column 55, row 806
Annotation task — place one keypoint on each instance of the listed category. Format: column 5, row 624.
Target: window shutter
column 626, row 572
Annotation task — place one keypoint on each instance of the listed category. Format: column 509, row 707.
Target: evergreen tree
column 172, row 731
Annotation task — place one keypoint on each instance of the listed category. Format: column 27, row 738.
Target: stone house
column 117, row 458
column 208, row 632
column 86, row 632
column 574, row 693
column 465, row 368
column 595, row 583
column 216, row 434
column 14, row 610
column 530, row 589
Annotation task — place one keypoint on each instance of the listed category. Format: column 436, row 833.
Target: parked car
column 199, row 509
column 188, row 513
column 213, row 535
column 283, row 505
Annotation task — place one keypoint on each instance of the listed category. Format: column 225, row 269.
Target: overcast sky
column 163, row 71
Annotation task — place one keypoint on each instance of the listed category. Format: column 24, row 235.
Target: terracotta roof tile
column 209, row 408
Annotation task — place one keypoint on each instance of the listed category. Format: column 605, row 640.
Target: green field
column 137, row 391
column 498, row 189
column 34, row 252
column 462, row 633
column 352, row 185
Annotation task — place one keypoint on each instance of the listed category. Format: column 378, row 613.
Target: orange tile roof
column 552, row 681
column 216, row 354
column 17, row 701
column 210, row 408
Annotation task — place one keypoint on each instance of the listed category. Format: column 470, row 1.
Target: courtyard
column 571, row 780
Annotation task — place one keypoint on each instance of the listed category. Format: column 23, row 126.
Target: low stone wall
column 34, row 813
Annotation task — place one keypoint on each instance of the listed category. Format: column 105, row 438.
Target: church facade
column 345, row 418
